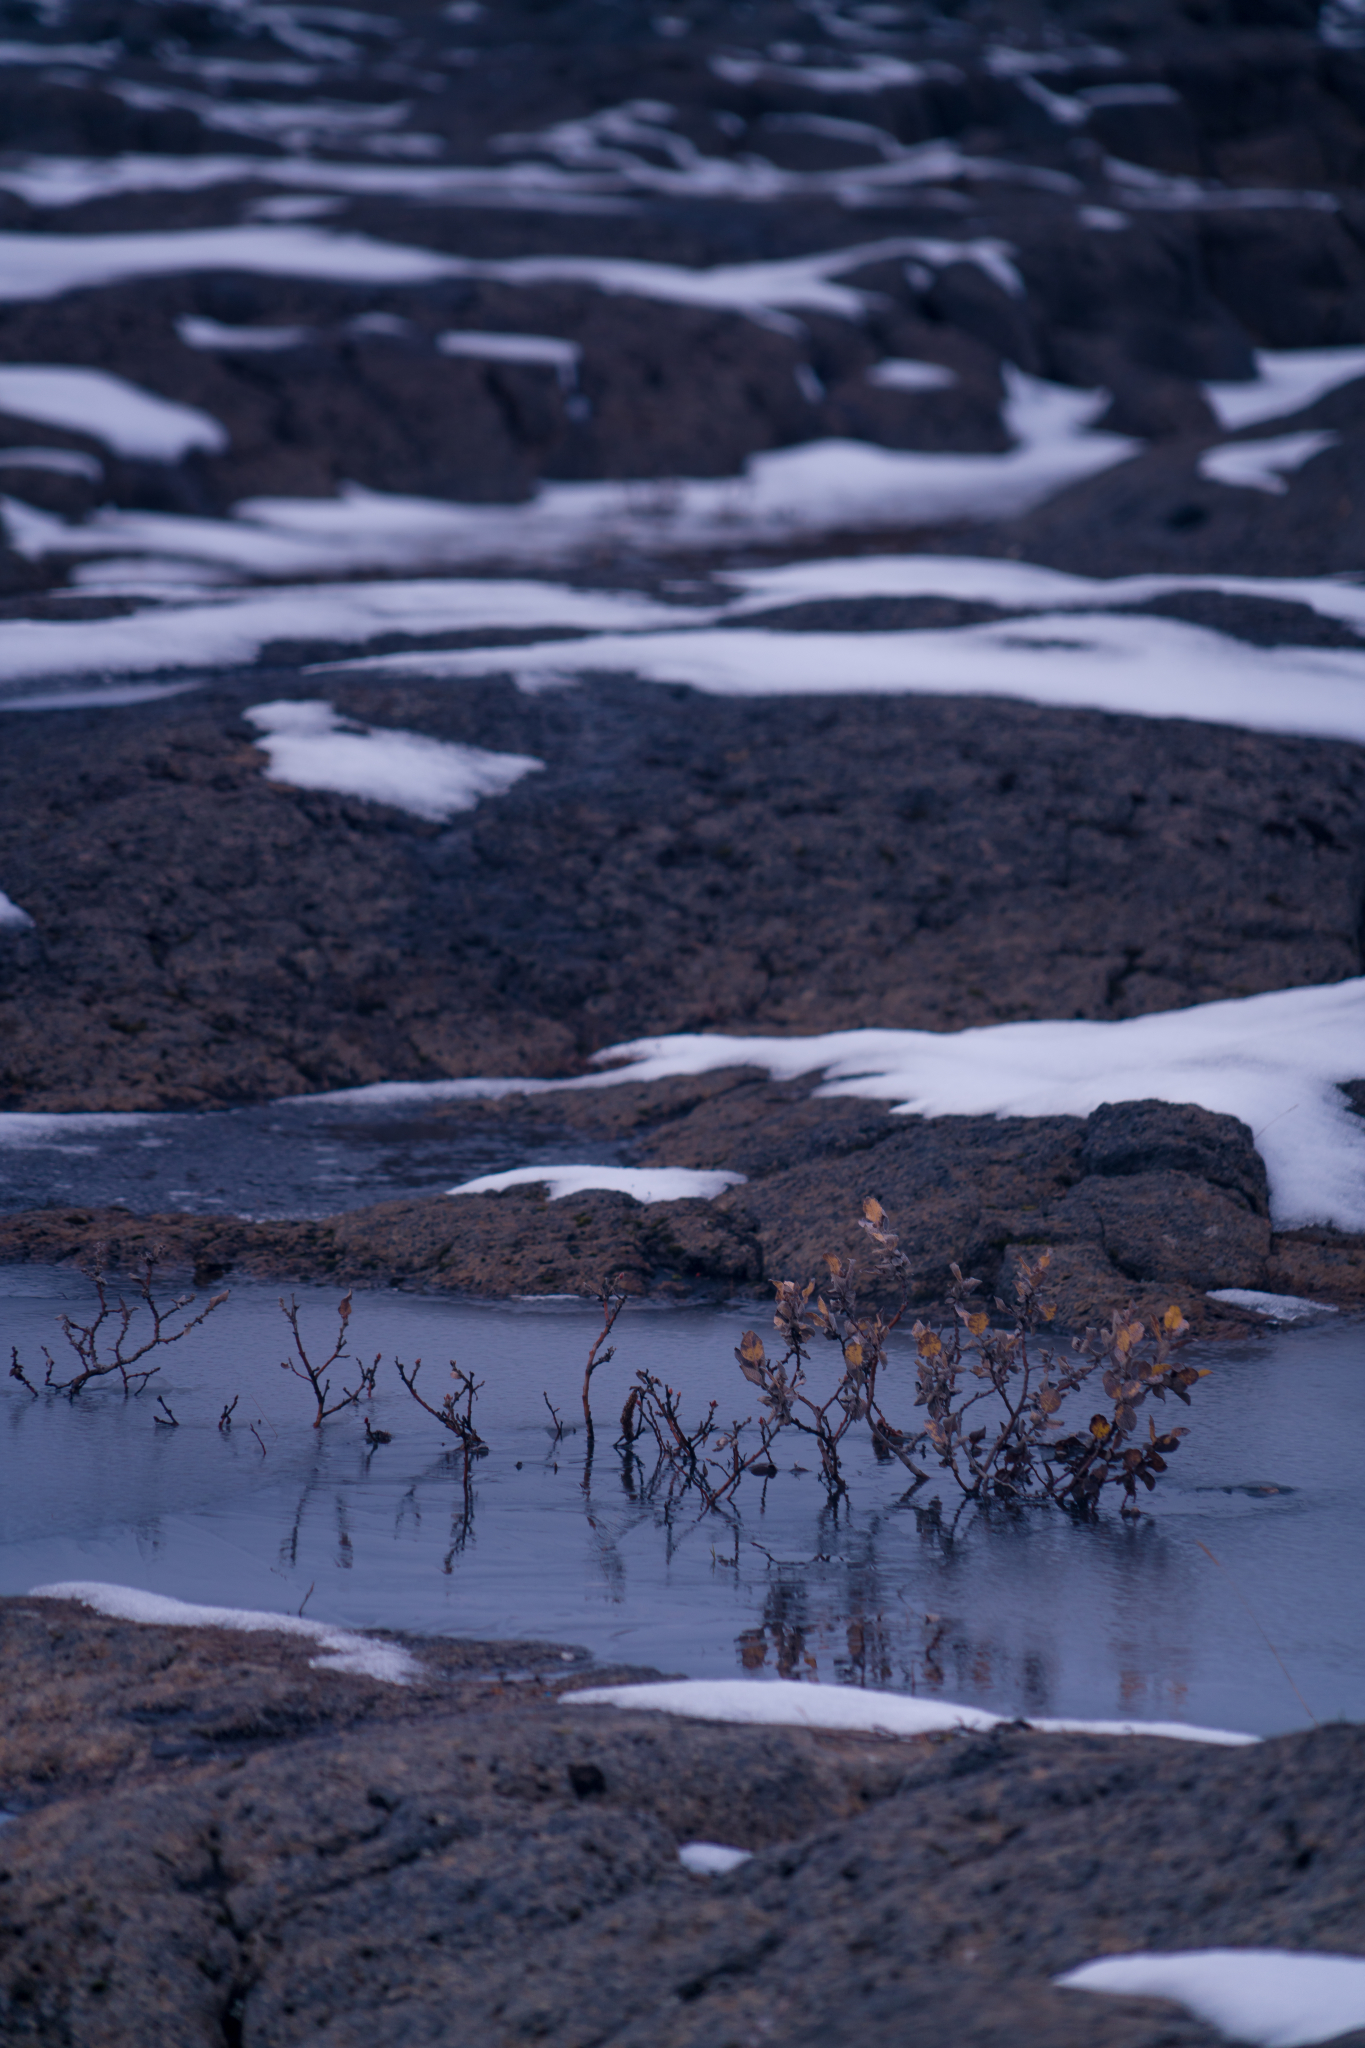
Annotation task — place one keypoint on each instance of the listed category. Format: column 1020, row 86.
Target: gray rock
column 476, row 1860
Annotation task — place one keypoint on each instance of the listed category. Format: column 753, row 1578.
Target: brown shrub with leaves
column 991, row 1391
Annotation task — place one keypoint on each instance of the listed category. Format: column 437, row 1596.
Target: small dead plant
column 315, row 1376
column 456, row 1412
column 611, row 1300
column 109, row 1346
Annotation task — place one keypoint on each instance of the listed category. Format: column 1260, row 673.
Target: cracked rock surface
column 216, row 1843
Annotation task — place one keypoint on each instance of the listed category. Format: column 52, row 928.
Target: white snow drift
column 1276, row 1308
column 1269, row 1997
column 1085, row 661
column 342, row 1649
column 221, row 631
column 711, row 1859
column 126, row 418
column 1286, row 381
column 1262, row 465
column 543, row 350
column 42, row 266
column 311, row 747
column 788, row 1703
column 785, row 494
column 644, row 1183
column 1018, row 586
column 1273, row 1060
column 213, row 334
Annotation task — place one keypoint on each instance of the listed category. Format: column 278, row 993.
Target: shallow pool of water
column 300, row 1157
column 1173, row 1617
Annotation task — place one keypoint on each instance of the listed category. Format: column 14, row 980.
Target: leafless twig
column 90, row 1341
column 612, row 1300
column 316, row 1375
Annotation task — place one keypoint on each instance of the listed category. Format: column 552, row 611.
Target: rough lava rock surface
column 215, row 1841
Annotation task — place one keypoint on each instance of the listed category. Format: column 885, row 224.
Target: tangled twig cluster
column 113, row 1326
column 990, row 1389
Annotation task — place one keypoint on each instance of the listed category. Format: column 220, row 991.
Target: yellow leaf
column 853, row 1352
column 1099, row 1428
column 929, row 1345
column 873, row 1210
column 751, row 1348
column 979, row 1322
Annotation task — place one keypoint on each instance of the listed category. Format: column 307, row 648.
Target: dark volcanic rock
column 1153, row 1137
column 1148, row 300
column 683, row 863
column 216, row 1841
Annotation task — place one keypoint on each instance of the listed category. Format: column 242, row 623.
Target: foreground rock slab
column 215, row 1842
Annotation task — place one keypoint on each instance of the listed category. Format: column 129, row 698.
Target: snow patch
column 59, row 461
column 1263, row 465
column 97, row 56
column 645, row 1183
column 310, row 746
column 40, row 266
column 563, row 357
column 783, row 495
column 1286, row 381
column 198, row 333
column 711, row 1859
column 1158, row 192
column 1094, row 661
column 1271, row 1997
column 342, row 1649
column 864, row 73
column 1278, row 1308
column 1273, row 1060
column 901, row 373
column 788, row 1703
column 126, row 418
column 103, row 698
column 222, row 632
column 12, row 918
column 1018, row 586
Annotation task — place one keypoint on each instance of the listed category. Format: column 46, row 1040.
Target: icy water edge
column 1234, row 1602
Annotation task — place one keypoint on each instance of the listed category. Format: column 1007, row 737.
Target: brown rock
column 217, row 1841
column 982, row 1191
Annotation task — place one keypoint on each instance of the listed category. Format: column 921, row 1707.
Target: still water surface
column 1019, row 1613
column 303, row 1156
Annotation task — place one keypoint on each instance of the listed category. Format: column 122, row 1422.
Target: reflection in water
column 1019, row 1611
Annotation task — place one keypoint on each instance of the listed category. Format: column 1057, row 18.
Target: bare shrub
column 611, row 1300
column 459, row 1420
column 113, row 1325
column 315, row 1376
